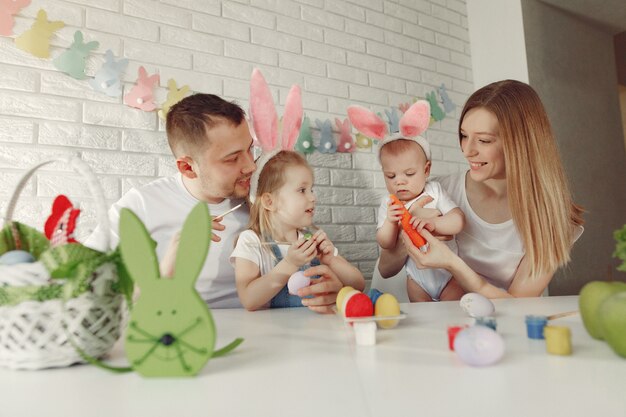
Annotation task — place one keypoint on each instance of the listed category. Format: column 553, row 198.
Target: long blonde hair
column 272, row 177
column 539, row 197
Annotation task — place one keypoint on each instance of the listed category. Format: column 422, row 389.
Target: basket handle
column 80, row 167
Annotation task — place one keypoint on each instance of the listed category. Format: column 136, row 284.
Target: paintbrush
column 560, row 315
column 221, row 216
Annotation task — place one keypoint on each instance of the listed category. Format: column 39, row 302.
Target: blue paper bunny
column 107, row 79
column 327, row 141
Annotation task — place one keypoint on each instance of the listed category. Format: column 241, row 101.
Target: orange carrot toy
column 415, row 237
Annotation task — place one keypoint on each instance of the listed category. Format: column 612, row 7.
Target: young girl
column 282, row 208
column 275, row 245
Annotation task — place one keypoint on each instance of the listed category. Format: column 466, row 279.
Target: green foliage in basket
column 31, row 240
column 620, row 247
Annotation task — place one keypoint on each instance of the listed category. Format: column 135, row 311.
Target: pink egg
column 296, row 281
column 479, row 346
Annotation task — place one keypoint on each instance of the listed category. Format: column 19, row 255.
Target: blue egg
column 16, row 257
column 373, row 294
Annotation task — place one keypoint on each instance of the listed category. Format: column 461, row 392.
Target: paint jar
column 487, row 321
column 535, row 325
column 452, row 331
column 365, row 333
column 558, row 340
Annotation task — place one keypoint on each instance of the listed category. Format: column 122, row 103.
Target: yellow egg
column 386, row 306
column 341, row 295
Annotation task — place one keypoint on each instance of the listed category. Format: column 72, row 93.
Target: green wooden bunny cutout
column 171, row 330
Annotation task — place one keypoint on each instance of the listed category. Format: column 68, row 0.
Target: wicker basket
column 36, row 334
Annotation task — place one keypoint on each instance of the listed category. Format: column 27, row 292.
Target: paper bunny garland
column 174, row 95
column 304, row 143
column 107, row 79
column 8, row 8
column 411, row 125
column 141, row 96
column 327, row 141
column 346, row 143
column 73, row 61
column 171, row 330
column 36, row 40
column 265, row 123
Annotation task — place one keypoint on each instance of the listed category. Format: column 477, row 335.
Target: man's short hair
column 189, row 120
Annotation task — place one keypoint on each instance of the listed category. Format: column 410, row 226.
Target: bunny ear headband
column 265, row 123
column 413, row 123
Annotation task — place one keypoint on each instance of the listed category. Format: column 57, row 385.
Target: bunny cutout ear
column 194, row 245
column 416, row 119
column 138, row 250
column 367, row 122
column 264, row 117
column 292, row 118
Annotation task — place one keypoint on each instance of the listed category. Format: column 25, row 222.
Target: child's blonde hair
column 270, row 180
column 539, row 197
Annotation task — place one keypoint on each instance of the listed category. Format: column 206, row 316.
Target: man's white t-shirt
column 163, row 206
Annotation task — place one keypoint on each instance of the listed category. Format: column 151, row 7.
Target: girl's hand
column 301, row 252
column 420, row 224
column 324, row 290
column 325, row 248
column 438, row 254
column 394, row 213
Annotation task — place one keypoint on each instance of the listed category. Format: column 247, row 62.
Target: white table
column 297, row 363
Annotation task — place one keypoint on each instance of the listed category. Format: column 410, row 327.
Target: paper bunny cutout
column 304, row 143
column 392, row 117
column 362, row 141
column 436, row 111
column 141, row 96
column 346, row 143
column 107, row 79
column 327, row 141
column 174, row 95
column 171, row 330
column 73, row 60
column 403, row 107
column 411, row 125
column 36, row 40
column 8, row 8
column 448, row 105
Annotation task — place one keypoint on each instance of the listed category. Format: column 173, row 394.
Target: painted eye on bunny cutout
column 158, row 313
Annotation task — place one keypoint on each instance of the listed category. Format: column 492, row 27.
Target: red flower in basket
column 61, row 224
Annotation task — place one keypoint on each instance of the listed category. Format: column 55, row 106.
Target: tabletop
column 294, row 362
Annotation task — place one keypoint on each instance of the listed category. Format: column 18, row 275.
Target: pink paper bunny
column 346, row 141
column 8, row 8
column 141, row 96
column 264, row 120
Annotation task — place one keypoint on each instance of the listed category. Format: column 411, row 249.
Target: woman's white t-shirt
column 491, row 250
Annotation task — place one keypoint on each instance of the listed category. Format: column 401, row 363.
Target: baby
column 405, row 159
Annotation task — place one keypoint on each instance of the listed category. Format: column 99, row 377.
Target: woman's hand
column 324, row 290
column 301, row 252
column 438, row 254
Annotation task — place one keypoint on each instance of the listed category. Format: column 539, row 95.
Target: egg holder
column 68, row 300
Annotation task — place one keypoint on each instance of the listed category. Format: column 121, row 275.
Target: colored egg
column 479, row 346
column 16, row 257
column 358, row 304
column 341, row 295
column 387, row 306
column 374, row 294
column 296, row 281
column 477, row 305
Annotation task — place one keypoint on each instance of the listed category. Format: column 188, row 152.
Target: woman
column 521, row 219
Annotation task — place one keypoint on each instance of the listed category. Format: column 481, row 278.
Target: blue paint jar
column 535, row 325
column 487, row 321
column 373, row 294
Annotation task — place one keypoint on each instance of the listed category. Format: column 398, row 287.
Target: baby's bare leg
column 415, row 292
column 452, row 291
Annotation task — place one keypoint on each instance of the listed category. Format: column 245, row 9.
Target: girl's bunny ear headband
column 265, row 123
column 413, row 123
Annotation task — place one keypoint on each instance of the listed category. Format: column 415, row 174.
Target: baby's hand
column 325, row 248
column 394, row 213
column 301, row 252
column 419, row 224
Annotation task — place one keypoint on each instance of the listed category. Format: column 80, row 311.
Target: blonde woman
column 521, row 220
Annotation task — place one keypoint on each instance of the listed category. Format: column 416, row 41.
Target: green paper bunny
column 171, row 330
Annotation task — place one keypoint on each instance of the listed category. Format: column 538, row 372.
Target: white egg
column 16, row 257
column 477, row 305
column 479, row 346
column 296, row 281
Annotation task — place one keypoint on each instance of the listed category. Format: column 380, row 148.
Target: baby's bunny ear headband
column 413, row 123
column 265, row 123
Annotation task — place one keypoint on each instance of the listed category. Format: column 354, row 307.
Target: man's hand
column 324, row 290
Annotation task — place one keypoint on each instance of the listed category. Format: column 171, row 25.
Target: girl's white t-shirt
column 492, row 250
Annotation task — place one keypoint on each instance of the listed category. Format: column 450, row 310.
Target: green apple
column 592, row 295
column 612, row 318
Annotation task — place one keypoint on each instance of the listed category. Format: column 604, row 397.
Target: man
column 212, row 144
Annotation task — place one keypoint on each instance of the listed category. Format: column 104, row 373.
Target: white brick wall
column 375, row 53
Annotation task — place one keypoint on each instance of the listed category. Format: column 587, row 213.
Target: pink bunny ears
column 264, row 121
column 413, row 123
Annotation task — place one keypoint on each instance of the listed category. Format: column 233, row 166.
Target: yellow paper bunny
column 36, row 40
